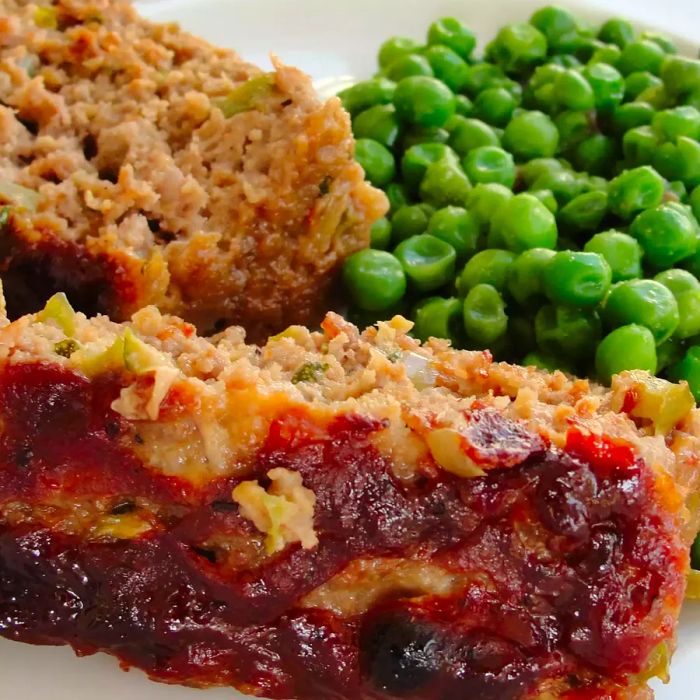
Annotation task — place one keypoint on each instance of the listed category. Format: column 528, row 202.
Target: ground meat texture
column 149, row 193
column 561, row 566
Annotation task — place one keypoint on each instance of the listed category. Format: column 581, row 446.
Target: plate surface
column 334, row 41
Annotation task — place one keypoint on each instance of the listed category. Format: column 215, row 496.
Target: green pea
column 635, row 190
column 617, row 31
column 641, row 55
column 586, row 211
column 622, row 253
column 366, row 94
column 482, row 76
column 694, row 202
column 484, row 314
column 686, row 289
column 631, row 115
column 464, row 106
column 517, row 47
column 397, row 195
column 688, row 370
column 540, row 88
column 531, row 135
column 638, row 82
column 416, row 160
column 495, row 106
column 548, row 199
column 439, row 317
column 458, row 227
column 467, row 134
column 664, row 42
column 376, row 160
column 678, row 281
column 639, row 145
column 573, row 127
column 486, row 199
column 532, row 170
column 428, row 262
column 394, row 48
column 564, row 184
column 666, row 235
column 374, row 279
column 656, row 96
column 424, row 101
column 408, row 66
column 545, row 362
column 448, row 67
column 410, row 220
column 525, row 277
column 669, row 124
column 554, row 22
column 571, row 90
column 380, row 234
column 626, row 348
column 596, row 154
column 580, row 279
column 378, row 123
column 490, row 164
column 608, row 53
column 679, row 161
column 567, row 332
column 669, row 353
column 607, row 84
column 450, row 32
column 681, row 75
column 677, row 191
column 644, row 302
column 491, row 266
column 524, row 222
column 418, row 134
column 445, row 183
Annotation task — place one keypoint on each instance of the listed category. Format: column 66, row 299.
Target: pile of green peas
column 544, row 198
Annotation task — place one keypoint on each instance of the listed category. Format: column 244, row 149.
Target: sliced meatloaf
column 339, row 515
column 140, row 165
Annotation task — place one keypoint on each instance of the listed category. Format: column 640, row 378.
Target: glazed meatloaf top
column 144, row 166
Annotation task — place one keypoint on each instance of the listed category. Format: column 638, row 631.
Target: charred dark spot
column 138, row 439
column 123, row 508
column 159, row 233
column 89, row 147
column 110, row 174
column 220, row 325
column 224, row 506
column 24, row 456
column 112, row 429
column 287, row 102
column 208, row 554
column 399, row 655
column 30, row 125
column 325, row 186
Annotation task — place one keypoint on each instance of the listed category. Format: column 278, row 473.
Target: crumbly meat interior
column 161, row 170
column 339, row 514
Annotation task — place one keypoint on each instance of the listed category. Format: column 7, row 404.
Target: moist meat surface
column 339, row 515
column 161, row 170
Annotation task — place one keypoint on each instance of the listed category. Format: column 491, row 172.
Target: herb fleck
column 309, row 372
column 65, row 348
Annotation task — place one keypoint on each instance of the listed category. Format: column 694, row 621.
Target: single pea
column 491, row 266
column 644, row 302
column 626, row 348
column 607, row 84
column 447, row 66
column 573, row 127
column 395, row 48
column 484, row 314
column 694, row 201
column 567, row 332
column 482, row 76
column 540, row 87
column 464, row 106
column 564, row 184
column 571, row 90
column 378, row 123
column 573, row 278
column 424, row 101
column 397, row 195
column 376, row 160
column 608, row 53
column 531, row 135
column 554, row 22
column 638, row 82
column 547, row 198
column 669, row 124
column 596, row 154
column 418, row 134
column 595, row 183
column 467, row 134
column 439, row 317
column 529, row 172
column 585, row 212
column 380, row 234
column 666, row 235
column 445, row 183
column 410, row 220
column 411, row 64
column 524, row 222
column 635, row 190
column 688, row 370
column 664, row 42
column 617, row 31
column 631, row 115
column 450, row 32
column 622, row 253
column 415, row 161
column 545, row 362
column 517, row 47
column 525, row 276
column 679, row 160
column 495, row 106
column 458, row 227
column 428, row 262
column 641, row 55
column 686, row 289
column 374, row 279
column 681, row 75
column 639, row 145
column 490, row 164
column 565, row 60
column 669, row 353
column 366, row 94
column 656, row 96
column 486, row 199
column 678, row 281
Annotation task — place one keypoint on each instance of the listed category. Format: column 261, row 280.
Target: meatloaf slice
column 143, row 166
column 339, row 515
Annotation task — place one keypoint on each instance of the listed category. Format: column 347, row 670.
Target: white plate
column 330, row 39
